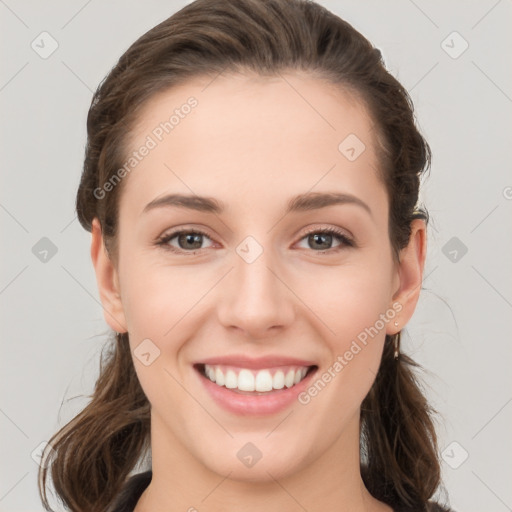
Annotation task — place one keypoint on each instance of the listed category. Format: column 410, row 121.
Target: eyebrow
column 300, row 203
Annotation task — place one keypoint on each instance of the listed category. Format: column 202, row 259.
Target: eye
column 322, row 238
column 188, row 241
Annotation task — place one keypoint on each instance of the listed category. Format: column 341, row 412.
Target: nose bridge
column 257, row 298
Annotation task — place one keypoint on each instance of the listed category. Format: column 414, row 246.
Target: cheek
column 354, row 311
column 155, row 296
column 347, row 299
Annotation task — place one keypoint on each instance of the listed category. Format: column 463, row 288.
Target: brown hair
column 95, row 452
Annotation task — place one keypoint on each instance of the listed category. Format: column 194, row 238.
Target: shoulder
column 131, row 492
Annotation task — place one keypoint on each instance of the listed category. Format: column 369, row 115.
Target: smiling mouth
column 255, row 382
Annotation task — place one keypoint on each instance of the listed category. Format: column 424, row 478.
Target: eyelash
column 344, row 239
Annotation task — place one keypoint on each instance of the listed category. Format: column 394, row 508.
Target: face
column 265, row 284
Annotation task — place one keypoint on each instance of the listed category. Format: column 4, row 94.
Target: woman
column 261, row 363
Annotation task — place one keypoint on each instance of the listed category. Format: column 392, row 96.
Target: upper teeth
column 252, row 380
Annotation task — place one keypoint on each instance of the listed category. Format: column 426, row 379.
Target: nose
column 255, row 298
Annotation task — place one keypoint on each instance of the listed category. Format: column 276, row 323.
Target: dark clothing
column 135, row 486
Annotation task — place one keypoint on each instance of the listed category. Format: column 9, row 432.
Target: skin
column 253, row 143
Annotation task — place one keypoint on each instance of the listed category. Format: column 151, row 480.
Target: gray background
column 52, row 326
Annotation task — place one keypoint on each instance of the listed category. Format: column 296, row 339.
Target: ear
column 410, row 275
column 107, row 280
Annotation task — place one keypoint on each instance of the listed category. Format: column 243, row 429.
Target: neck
column 180, row 482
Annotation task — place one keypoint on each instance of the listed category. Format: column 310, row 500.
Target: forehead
column 257, row 135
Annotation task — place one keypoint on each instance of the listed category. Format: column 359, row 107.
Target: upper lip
column 244, row 361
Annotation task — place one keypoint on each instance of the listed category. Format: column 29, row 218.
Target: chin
column 260, row 461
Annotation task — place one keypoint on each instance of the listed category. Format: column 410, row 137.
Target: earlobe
column 410, row 271
column 107, row 281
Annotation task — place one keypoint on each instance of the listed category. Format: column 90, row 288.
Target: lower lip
column 268, row 403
